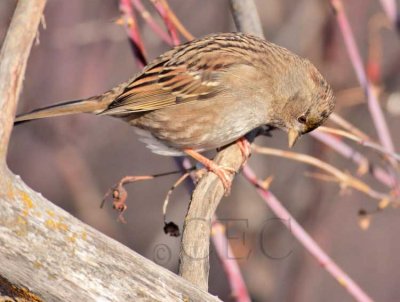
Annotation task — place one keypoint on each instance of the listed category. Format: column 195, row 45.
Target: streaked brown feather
column 187, row 73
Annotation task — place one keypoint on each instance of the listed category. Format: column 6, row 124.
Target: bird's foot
column 223, row 173
column 245, row 148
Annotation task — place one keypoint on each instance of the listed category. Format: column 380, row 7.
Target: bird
column 210, row 92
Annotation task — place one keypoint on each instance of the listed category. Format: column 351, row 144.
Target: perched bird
column 210, row 92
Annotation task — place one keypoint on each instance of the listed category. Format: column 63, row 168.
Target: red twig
column 138, row 5
column 174, row 19
column 164, row 11
column 323, row 259
column 128, row 19
column 373, row 103
column 231, row 267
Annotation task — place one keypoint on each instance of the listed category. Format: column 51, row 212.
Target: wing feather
column 187, row 73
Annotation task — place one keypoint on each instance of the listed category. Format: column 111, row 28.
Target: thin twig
column 375, row 44
column 364, row 164
column 180, row 180
column 129, row 21
column 365, row 143
column 231, row 267
column 345, row 179
column 354, row 54
column 340, row 121
column 302, row 236
column 149, row 19
column 164, row 9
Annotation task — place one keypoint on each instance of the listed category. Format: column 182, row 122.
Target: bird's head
column 309, row 104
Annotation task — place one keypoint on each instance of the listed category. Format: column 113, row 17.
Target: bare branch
column 13, row 57
column 194, row 258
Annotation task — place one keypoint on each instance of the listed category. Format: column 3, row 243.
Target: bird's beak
column 293, row 135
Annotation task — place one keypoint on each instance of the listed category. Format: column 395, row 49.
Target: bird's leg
column 245, row 147
column 221, row 172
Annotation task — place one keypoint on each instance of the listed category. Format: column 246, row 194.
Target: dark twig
column 120, row 195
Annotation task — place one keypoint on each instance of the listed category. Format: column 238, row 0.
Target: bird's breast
column 198, row 125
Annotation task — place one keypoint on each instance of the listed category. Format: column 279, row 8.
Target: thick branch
column 13, row 57
column 59, row 258
column 194, row 258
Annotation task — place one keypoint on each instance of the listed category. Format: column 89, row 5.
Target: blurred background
column 74, row 160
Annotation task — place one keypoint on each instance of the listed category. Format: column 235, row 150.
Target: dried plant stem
column 364, row 165
column 302, row 236
column 340, row 121
column 366, row 143
column 344, row 179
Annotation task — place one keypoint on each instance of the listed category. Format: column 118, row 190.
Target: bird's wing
column 188, row 73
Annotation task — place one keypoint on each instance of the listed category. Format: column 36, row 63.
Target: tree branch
column 194, row 256
column 13, row 57
column 47, row 250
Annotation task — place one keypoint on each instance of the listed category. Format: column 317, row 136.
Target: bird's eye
column 302, row 119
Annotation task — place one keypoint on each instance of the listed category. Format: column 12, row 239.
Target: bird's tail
column 90, row 105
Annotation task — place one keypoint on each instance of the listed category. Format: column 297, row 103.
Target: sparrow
column 210, row 92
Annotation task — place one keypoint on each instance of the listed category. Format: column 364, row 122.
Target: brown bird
column 210, row 92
